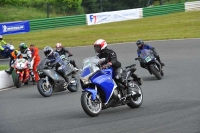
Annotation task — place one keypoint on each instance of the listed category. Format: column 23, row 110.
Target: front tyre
column 44, row 89
column 18, row 82
column 136, row 101
column 155, row 72
column 91, row 107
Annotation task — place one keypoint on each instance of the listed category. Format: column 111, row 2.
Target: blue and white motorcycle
column 151, row 64
column 100, row 91
column 7, row 51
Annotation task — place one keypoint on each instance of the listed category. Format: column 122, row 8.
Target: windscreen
column 90, row 65
column 42, row 64
column 144, row 53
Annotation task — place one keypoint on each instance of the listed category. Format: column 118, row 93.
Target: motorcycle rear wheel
column 73, row 87
column 43, row 89
column 135, row 102
column 91, row 107
column 155, row 72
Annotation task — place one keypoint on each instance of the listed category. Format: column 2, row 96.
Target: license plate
column 148, row 59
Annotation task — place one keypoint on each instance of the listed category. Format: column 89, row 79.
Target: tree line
column 73, row 7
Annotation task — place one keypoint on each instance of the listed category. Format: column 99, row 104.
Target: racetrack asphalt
column 171, row 105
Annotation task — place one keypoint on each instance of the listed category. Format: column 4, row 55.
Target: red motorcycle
column 22, row 72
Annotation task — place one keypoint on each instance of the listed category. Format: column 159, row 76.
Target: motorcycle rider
column 26, row 54
column 100, row 47
column 141, row 45
column 36, row 60
column 13, row 57
column 2, row 42
column 63, row 51
column 55, row 59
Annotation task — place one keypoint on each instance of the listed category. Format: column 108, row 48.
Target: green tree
column 90, row 6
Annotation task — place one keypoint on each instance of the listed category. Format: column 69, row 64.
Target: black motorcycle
column 51, row 81
column 151, row 64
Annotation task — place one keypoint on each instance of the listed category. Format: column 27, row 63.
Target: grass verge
column 172, row 26
column 10, row 13
column 3, row 67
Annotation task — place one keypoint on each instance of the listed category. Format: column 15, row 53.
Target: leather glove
column 107, row 65
column 29, row 64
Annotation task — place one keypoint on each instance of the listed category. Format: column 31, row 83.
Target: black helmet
column 139, row 43
column 48, row 51
column 22, row 47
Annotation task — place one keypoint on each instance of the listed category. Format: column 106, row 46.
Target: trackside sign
column 106, row 17
column 14, row 27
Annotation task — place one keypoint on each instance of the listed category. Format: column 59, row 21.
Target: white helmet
column 99, row 45
column 58, row 46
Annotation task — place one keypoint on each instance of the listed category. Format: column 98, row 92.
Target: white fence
column 192, row 6
column 107, row 17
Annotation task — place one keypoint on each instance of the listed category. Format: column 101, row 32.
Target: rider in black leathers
column 63, row 51
column 100, row 46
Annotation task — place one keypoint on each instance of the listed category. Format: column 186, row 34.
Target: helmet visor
column 139, row 45
column 58, row 48
column 97, row 48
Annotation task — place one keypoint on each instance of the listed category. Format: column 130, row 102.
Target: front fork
column 46, row 82
column 92, row 91
column 23, row 75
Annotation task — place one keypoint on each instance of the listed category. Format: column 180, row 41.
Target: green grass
column 13, row 13
column 3, row 67
column 173, row 26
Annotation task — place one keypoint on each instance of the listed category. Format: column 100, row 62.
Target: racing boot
column 158, row 58
column 9, row 71
column 32, row 76
column 65, row 85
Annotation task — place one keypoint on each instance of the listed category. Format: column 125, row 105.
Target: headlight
column 86, row 80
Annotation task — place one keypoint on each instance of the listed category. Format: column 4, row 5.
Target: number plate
column 148, row 59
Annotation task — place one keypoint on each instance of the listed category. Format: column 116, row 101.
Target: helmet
column 100, row 45
column 58, row 46
column 48, row 51
column 140, row 43
column 22, row 47
column 16, row 52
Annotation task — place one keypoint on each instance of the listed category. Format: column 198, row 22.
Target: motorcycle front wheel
column 18, row 82
column 91, row 107
column 44, row 89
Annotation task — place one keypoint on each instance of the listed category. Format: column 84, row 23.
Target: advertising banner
column 14, row 27
column 106, row 17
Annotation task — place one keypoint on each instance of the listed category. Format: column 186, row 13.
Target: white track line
column 7, row 88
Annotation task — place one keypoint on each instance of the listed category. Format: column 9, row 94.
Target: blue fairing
column 104, row 80
column 85, row 72
column 93, row 92
column 6, row 52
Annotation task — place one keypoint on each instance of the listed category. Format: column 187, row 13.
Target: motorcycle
column 100, row 91
column 51, row 81
column 7, row 51
column 66, row 60
column 22, row 72
column 151, row 64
